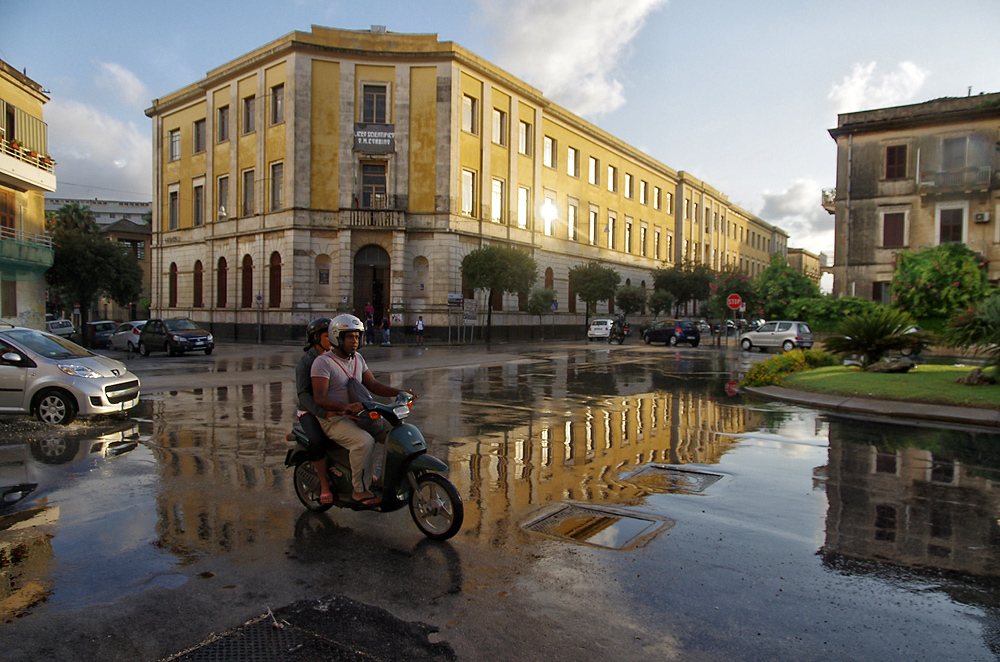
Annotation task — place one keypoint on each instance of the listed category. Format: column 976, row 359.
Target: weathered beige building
column 806, row 263
column 911, row 177
column 332, row 168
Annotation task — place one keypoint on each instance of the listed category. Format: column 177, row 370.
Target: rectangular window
column 656, row 244
column 670, row 247
column 498, row 197
column 612, row 178
column 174, row 145
column 593, row 227
column 373, row 186
column 573, row 162
column 173, row 213
column 656, row 197
column 470, row 114
column 628, row 236
column 642, row 241
column 951, row 226
column 953, row 153
column 612, row 231
column 524, row 138
column 374, row 104
column 199, row 137
column 222, row 197
column 892, row 229
column 629, row 193
column 594, row 171
column 8, row 296
column 895, row 162
column 249, row 114
column 549, row 147
column 248, row 201
column 642, row 193
column 198, row 205
column 572, row 219
column 549, row 214
column 222, row 124
column 277, row 186
column 468, row 192
column 882, row 292
column 523, row 205
column 670, row 203
column 278, row 104
column 499, row 127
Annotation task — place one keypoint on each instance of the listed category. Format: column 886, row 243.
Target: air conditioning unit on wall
column 982, row 217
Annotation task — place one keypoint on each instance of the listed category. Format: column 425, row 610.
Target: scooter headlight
column 402, row 411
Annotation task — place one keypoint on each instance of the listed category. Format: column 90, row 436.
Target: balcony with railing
column 829, row 200
column 977, row 179
column 24, row 255
column 376, row 211
column 24, row 168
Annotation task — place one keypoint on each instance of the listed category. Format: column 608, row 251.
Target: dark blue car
column 672, row 332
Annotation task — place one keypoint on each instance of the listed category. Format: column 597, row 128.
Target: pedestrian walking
column 370, row 330
column 385, row 330
column 420, row 330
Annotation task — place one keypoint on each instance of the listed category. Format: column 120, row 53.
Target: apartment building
column 105, row 212
column 806, row 263
column 332, row 168
column 26, row 173
column 910, row 177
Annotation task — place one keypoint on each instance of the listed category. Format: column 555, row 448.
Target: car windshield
column 47, row 345
column 180, row 325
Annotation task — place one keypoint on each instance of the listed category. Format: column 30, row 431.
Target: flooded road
column 619, row 504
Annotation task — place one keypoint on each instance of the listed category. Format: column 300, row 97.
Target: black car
column 672, row 332
column 97, row 335
column 174, row 336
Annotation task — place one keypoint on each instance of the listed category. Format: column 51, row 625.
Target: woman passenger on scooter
column 330, row 374
column 310, row 413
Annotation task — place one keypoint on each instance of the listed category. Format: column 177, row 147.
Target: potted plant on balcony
column 14, row 145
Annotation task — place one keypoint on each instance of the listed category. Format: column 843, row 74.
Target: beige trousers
column 359, row 445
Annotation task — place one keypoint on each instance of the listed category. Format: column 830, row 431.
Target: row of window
column 247, row 297
column 950, row 227
column 248, row 123
column 248, row 202
column 954, row 157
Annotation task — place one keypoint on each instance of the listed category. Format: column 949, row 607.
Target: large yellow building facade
column 26, row 173
column 330, row 169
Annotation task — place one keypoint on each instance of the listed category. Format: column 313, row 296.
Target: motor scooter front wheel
column 307, row 487
column 436, row 507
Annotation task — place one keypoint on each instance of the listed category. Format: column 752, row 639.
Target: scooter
column 409, row 475
column 618, row 333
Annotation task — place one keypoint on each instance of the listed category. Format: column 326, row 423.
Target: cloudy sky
column 737, row 93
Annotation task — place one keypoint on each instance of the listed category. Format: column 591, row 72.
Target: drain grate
column 657, row 478
column 597, row 526
column 260, row 640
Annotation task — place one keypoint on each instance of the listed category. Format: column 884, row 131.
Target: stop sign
column 734, row 301
column 732, row 388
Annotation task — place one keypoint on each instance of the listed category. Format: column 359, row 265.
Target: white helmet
column 340, row 325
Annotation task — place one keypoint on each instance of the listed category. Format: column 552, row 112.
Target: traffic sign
column 734, row 301
column 732, row 388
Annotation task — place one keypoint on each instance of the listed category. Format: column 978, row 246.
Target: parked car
column 61, row 327
column 96, row 334
column 672, row 332
column 174, row 336
column 783, row 334
column 126, row 336
column 599, row 328
column 56, row 380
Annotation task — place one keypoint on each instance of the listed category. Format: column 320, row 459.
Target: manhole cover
column 657, row 478
column 600, row 527
column 260, row 640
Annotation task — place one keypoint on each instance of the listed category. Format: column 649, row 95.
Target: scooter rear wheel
column 307, row 487
column 440, row 512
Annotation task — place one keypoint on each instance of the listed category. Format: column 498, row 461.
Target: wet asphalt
column 620, row 504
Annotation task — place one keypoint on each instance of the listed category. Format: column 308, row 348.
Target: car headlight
column 79, row 371
column 178, row 338
column 210, row 338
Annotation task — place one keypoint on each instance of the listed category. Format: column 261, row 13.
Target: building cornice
column 948, row 110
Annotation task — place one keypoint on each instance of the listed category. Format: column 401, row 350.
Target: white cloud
column 797, row 211
column 862, row 90
column 97, row 155
column 569, row 49
column 122, row 84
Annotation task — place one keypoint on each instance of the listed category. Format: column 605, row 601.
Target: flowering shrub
column 772, row 371
column 938, row 281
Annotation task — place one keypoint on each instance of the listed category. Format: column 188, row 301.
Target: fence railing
column 19, row 235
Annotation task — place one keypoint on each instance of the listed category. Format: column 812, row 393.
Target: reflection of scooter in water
column 409, row 474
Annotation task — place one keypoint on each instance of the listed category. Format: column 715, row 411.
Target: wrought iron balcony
column 976, row 179
column 381, row 219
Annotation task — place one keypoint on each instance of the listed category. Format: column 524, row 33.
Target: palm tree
column 874, row 333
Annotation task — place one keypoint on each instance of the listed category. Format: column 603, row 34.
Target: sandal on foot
column 326, row 497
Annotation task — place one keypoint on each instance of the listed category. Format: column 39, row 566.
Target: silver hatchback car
column 56, row 380
column 786, row 335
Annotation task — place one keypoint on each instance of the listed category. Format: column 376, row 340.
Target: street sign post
column 734, row 301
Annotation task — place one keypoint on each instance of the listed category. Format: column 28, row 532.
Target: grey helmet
column 340, row 325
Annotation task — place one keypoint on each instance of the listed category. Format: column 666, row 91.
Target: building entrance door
column 371, row 281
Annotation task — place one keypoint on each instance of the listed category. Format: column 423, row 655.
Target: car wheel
column 131, row 347
column 208, row 351
column 746, row 344
column 169, row 349
column 673, row 341
column 788, row 345
column 55, row 407
column 645, row 338
column 694, row 343
column 143, row 349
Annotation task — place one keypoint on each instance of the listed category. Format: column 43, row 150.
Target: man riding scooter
column 330, row 375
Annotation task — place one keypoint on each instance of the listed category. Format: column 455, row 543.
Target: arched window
column 221, row 284
column 196, row 300
column 172, row 286
column 274, row 281
column 549, row 278
column 247, row 282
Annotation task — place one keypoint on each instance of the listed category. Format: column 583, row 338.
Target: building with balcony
column 26, row 173
column 332, row 168
column 806, row 263
column 911, row 177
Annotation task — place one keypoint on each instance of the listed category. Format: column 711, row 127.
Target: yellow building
column 912, row 177
column 26, row 172
column 332, row 168
column 806, row 263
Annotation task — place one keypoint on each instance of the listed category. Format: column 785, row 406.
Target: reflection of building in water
column 911, row 508
column 26, row 559
column 221, row 451
column 577, row 455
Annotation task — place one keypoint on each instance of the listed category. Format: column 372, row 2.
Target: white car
column 126, row 336
column 599, row 328
column 62, row 328
column 784, row 334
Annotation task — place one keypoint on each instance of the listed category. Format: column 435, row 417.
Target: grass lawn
column 925, row 383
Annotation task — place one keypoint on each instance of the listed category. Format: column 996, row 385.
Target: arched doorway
column 371, row 281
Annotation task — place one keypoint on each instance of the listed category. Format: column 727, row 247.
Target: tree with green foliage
column 593, row 282
column 499, row 269
column 874, row 333
column 685, row 283
column 977, row 328
column 825, row 312
column 540, row 303
column 73, row 217
column 729, row 281
column 939, row 281
column 630, row 298
column 778, row 285
column 660, row 301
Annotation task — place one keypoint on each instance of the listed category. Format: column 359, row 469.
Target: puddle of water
column 598, row 527
column 672, row 480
